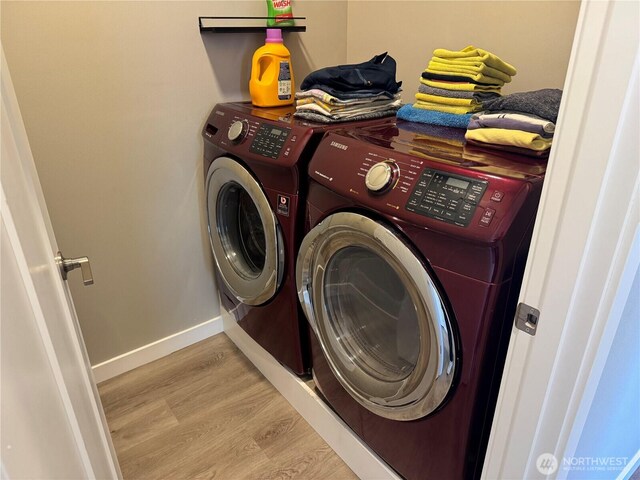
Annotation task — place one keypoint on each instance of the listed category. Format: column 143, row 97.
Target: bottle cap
column 274, row 35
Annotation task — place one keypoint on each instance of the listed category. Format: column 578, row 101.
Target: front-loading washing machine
column 255, row 162
column 409, row 277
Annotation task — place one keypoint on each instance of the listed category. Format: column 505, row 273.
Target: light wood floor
column 206, row 412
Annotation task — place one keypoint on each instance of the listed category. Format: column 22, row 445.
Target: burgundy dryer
column 409, row 277
column 255, row 165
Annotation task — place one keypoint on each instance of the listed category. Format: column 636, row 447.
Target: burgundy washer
column 466, row 215
column 255, row 169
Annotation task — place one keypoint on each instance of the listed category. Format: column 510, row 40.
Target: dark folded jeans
column 375, row 76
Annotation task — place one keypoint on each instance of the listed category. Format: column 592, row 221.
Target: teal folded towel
column 432, row 117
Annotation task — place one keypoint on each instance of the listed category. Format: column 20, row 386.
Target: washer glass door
column 245, row 237
column 378, row 316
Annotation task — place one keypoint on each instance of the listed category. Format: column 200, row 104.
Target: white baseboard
column 364, row 462
column 155, row 350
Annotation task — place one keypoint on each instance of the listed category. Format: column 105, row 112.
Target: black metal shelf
column 244, row 24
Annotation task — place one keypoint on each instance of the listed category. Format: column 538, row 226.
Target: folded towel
column 326, row 106
column 326, row 97
column 341, row 107
column 441, row 92
column 358, row 94
column 450, row 101
column 318, row 118
column 474, row 62
column 544, row 103
column 481, row 71
column 476, row 55
column 463, row 86
column 349, row 112
column 422, row 88
column 411, row 114
column 513, row 121
column 461, row 77
column 515, row 138
column 459, row 109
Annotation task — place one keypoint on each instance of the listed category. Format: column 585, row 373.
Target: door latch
column 67, row 264
column 527, row 318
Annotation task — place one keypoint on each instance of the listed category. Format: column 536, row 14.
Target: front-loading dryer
column 255, row 162
column 409, row 276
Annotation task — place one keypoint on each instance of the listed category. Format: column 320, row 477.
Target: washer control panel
column 446, row 197
column 269, row 140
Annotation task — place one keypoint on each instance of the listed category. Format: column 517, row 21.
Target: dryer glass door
column 244, row 234
column 378, row 316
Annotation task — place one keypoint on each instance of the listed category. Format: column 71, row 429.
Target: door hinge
column 527, row 318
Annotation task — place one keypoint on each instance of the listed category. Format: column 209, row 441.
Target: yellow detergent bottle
column 271, row 83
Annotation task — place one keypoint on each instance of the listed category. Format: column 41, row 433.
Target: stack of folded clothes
column 456, row 84
column 350, row 92
column 523, row 123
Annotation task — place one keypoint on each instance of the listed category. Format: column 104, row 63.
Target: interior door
column 53, row 425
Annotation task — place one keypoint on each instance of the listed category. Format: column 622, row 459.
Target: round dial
column 380, row 177
column 237, row 131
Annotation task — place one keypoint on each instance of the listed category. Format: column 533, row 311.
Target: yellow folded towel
column 446, row 108
column 462, row 102
column 454, row 68
column 460, row 86
column 473, row 54
column 470, row 62
column 515, row 138
column 478, row 77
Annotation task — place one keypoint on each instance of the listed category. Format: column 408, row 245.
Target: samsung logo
column 339, row 145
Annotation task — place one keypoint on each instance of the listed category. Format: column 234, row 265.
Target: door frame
column 583, row 239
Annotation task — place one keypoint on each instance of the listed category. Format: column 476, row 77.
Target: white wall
column 534, row 36
column 113, row 96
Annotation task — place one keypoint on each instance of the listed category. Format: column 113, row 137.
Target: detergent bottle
column 271, row 83
column 279, row 13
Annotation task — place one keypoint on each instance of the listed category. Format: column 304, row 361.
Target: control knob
column 381, row 176
column 237, row 131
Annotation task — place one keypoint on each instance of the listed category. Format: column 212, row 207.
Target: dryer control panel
column 447, row 197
